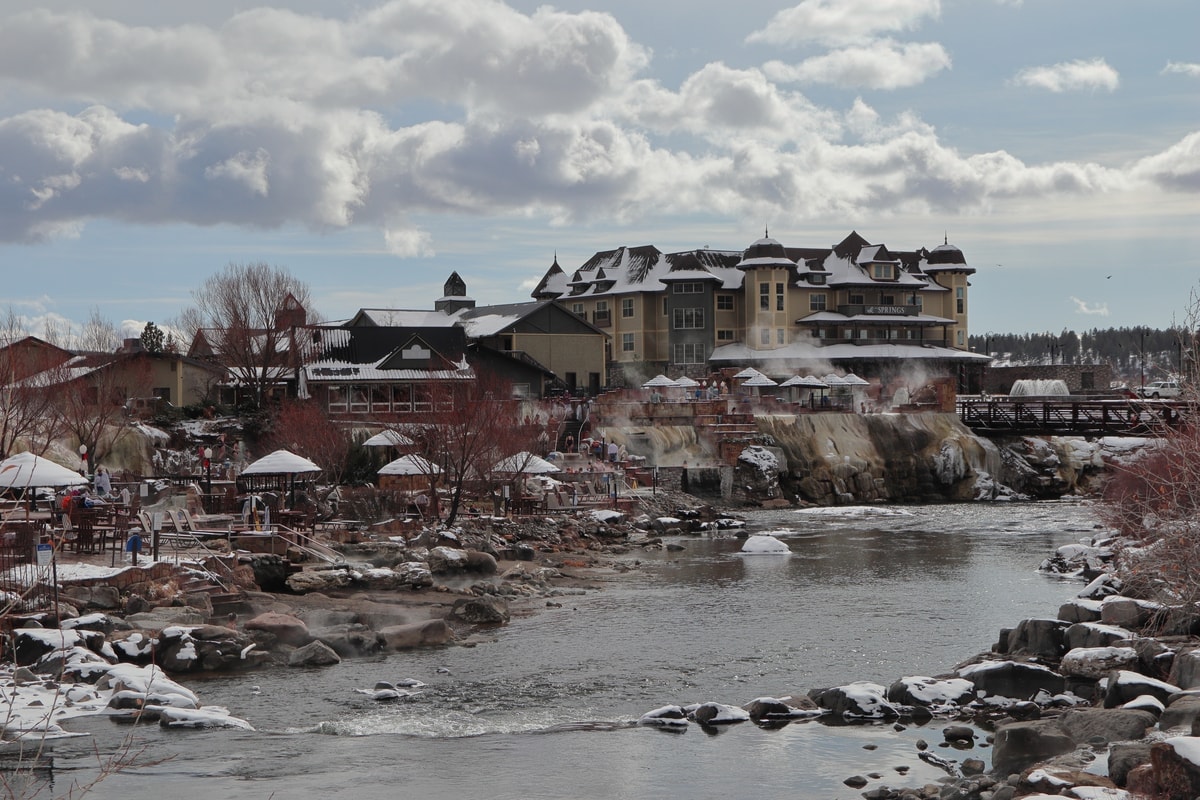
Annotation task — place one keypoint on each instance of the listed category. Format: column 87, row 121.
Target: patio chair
column 86, row 541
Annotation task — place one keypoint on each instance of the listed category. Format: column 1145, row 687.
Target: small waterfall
column 1038, row 387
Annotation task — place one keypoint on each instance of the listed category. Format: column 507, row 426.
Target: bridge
column 1069, row 416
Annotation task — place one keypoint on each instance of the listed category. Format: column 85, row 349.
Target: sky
column 371, row 148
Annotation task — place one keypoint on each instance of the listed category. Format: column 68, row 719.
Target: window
column 688, row 318
column 724, row 336
column 887, row 299
column 627, row 307
column 688, row 287
column 422, row 398
column 600, row 317
column 918, row 301
column 358, row 399
column 779, row 297
column 381, row 399
column 337, row 398
column 402, row 398
column 764, row 336
column 882, row 272
column 857, row 299
column 724, row 302
column 626, row 342
column 960, row 300
column 691, row 353
column 816, row 302
column 780, row 336
column 602, row 305
column 960, row 338
column 764, row 296
column 817, row 278
column 577, row 309
column 520, row 390
column 862, row 334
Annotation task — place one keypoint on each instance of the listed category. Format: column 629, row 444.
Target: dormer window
column 817, row 278
column 882, row 272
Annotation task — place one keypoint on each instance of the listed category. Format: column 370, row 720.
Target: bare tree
column 98, row 334
column 90, row 398
column 247, row 314
column 304, row 428
column 1152, row 500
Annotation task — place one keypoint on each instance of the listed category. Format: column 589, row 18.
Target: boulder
column 771, row 709
column 348, row 640
column 205, row 648
column 1124, row 757
column 103, row 596
column 1176, row 765
column 1014, row 679
column 486, row 610
column 1124, row 686
column 1181, row 712
column 33, row 644
column 922, row 691
column 284, row 627
column 1125, row 612
column 1085, row 725
column 270, row 573
column 1019, row 745
column 1038, row 637
column 1185, row 671
column 1095, row 663
column 1050, row 780
column 1093, row 634
column 858, row 700
column 415, row 634
column 313, row 654
column 318, row 580
column 1080, row 610
column 718, row 714
column 444, row 560
column 165, row 616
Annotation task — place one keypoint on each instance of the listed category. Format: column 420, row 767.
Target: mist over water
column 546, row 708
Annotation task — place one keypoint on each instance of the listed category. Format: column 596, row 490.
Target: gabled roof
column 401, row 318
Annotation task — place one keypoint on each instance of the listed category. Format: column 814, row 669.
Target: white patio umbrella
column 759, row 381
column 831, row 380
column 686, row 382
column 527, row 463
column 410, row 465
column 388, row 438
column 806, row 382
column 853, row 380
column 660, row 382
column 748, row 372
column 281, row 462
column 29, row 470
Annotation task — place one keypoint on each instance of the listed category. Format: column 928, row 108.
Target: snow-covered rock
column 764, row 545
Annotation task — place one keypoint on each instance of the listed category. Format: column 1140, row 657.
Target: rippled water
column 545, row 710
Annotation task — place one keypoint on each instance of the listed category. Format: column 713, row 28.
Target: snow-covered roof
column 893, row 319
column 345, row 371
column 410, row 465
column 406, row 318
column 281, row 462
column 803, row 351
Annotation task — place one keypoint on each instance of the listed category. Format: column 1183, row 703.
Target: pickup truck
column 1164, row 390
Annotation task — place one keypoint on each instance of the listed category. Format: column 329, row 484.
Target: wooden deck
column 1070, row 416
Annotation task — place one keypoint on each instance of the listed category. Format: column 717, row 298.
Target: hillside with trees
column 1160, row 352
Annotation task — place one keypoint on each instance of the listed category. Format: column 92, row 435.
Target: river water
column 544, row 709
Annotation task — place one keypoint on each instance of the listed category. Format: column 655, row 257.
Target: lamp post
column 1142, row 356
column 83, row 467
column 207, row 477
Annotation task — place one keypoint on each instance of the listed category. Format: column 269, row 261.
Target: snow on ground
column 606, row 515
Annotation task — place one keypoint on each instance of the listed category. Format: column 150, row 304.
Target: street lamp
column 207, row 476
column 83, row 468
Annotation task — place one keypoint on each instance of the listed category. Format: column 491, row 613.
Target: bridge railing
column 1071, row 415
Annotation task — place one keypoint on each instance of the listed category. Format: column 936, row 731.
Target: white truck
column 1161, row 390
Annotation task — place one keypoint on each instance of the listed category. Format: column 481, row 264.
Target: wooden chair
column 86, row 541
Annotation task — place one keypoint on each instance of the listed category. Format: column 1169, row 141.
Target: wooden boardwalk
column 1070, row 416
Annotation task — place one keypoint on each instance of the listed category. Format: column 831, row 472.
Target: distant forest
column 1127, row 350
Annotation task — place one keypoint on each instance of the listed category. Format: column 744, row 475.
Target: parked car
column 1165, row 390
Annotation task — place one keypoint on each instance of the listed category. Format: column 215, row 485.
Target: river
column 543, row 710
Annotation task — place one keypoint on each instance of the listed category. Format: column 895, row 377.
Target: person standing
column 103, row 483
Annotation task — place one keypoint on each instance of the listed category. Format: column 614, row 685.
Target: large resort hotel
column 856, row 306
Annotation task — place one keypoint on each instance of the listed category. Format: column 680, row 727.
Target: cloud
column 879, row 64
column 1182, row 68
column 1083, row 307
column 843, row 21
column 1176, row 168
column 1070, row 76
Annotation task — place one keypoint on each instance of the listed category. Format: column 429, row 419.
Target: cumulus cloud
column 880, row 64
column 1182, row 68
column 467, row 107
column 843, row 21
column 1070, row 76
column 1090, row 309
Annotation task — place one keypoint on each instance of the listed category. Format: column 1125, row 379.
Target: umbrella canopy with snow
column 748, row 372
column 29, row 470
column 281, row 462
column 388, row 438
column 832, row 380
column 527, row 463
column 660, row 382
column 758, row 381
column 410, row 465
column 806, row 382
column 853, row 380
column 686, row 382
